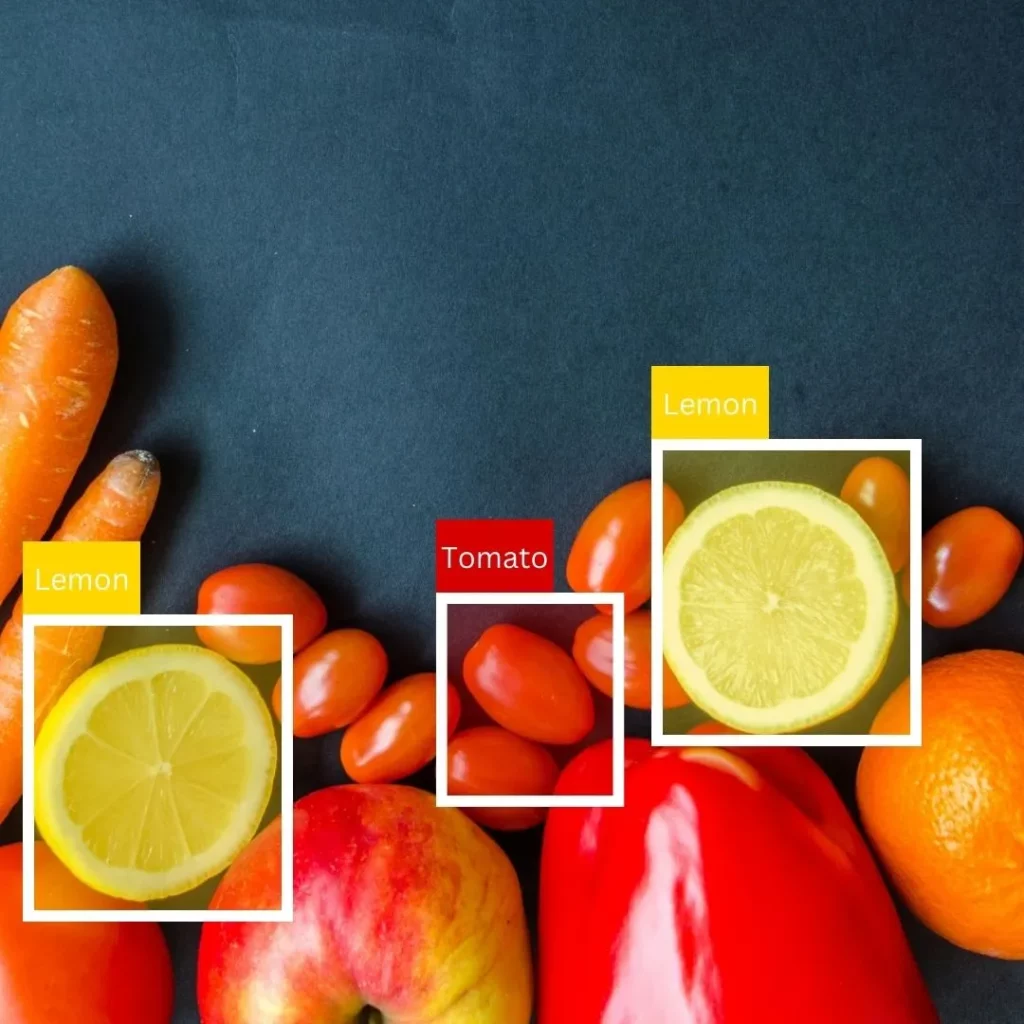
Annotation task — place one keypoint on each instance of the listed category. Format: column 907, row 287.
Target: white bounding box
column 617, row 796
column 658, row 735
column 30, row 912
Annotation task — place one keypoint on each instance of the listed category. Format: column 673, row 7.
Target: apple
column 404, row 912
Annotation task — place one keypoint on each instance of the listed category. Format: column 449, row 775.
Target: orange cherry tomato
column 593, row 650
column 257, row 589
column 529, row 685
column 100, row 972
column 454, row 710
column 968, row 562
column 713, row 729
column 612, row 551
column 396, row 736
column 905, row 585
column 880, row 491
column 507, row 819
column 489, row 761
column 334, row 680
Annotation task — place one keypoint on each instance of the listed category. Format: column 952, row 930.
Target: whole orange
column 947, row 818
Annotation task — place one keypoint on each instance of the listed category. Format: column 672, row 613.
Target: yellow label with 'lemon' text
column 82, row 578
column 709, row 402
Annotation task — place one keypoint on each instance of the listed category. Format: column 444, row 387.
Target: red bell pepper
column 733, row 888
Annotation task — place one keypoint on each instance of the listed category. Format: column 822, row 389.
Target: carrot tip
column 140, row 455
column 71, row 273
column 69, row 293
column 134, row 470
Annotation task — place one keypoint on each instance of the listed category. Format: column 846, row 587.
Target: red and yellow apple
column 98, row 973
column 401, row 907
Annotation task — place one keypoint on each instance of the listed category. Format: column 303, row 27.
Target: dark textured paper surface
column 378, row 262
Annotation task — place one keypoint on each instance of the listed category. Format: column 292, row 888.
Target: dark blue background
column 381, row 261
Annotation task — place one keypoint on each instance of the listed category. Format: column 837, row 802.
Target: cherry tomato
column 880, row 491
column 593, row 651
column 713, row 729
column 507, row 819
column 488, row 761
column 905, row 585
column 334, row 680
column 529, row 685
column 968, row 562
column 100, row 972
column 454, row 710
column 257, row 589
column 612, row 551
column 396, row 736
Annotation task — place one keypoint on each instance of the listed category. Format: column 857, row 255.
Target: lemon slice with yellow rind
column 154, row 770
column 779, row 606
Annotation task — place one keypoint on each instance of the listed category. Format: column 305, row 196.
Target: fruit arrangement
column 406, row 912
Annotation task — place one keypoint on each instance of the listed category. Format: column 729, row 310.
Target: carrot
column 58, row 353
column 116, row 506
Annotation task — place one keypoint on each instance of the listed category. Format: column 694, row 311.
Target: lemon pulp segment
column 153, row 770
column 779, row 606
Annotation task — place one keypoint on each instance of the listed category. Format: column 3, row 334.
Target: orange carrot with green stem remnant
column 58, row 353
column 116, row 506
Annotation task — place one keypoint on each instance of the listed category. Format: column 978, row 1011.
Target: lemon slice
column 153, row 770
column 779, row 606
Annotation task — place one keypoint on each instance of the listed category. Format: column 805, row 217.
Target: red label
column 495, row 555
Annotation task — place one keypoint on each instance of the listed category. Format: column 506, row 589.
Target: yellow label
column 82, row 578
column 709, row 402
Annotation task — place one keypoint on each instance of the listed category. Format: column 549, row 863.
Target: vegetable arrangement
column 655, row 911
column 828, row 942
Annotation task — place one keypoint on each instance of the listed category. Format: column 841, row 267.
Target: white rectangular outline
column 659, row 737
column 29, row 912
column 617, row 797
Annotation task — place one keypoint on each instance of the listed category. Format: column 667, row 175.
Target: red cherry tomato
column 396, row 736
column 612, row 551
column 968, row 562
column 593, row 650
column 529, row 685
column 488, row 761
column 257, row 589
column 880, row 491
column 334, row 680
